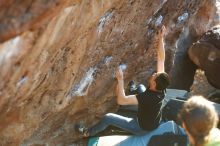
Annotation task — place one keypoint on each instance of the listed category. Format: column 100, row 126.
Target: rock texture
column 18, row 16
column 184, row 68
column 201, row 86
column 206, row 55
column 60, row 70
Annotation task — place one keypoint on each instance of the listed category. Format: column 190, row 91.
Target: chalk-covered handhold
column 123, row 66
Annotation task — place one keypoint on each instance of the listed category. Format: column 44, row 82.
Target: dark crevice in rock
column 183, row 71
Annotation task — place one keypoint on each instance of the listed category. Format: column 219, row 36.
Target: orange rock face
column 60, row 70
column 18, row 16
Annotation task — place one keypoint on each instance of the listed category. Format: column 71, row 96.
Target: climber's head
column 159, row 81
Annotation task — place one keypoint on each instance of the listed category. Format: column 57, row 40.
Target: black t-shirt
column 149, row 104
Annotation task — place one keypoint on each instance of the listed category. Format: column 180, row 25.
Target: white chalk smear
column 150, row 31
column 68, row 9
column 123, row 66
column 103, row 20
column 21, row 81
column 182, row 18
column 107, row 60
column 9, row 49
column 158, row 20
column 148, row 21
column 81, row 88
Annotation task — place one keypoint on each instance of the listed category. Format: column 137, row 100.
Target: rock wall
column 184, row 67
column 60, row 70
column 205, row 53
column 18, row 16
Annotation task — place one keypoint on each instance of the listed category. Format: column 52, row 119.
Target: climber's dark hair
column 162, row 81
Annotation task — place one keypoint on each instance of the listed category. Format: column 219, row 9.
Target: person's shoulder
column 142, row 94
column 142, row 97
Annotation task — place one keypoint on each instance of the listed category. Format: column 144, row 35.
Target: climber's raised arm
column 161, row 50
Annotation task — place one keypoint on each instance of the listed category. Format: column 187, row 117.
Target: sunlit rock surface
column 60, row 71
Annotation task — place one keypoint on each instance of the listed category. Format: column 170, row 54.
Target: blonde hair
column 199, row 116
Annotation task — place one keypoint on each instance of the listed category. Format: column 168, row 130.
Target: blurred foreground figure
column 199, row 119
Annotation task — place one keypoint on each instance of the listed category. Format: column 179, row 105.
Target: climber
column 149, row 102
column 199, row 119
